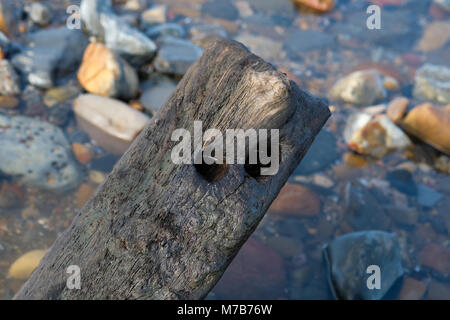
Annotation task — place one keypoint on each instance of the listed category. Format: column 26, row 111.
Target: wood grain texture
column 156, row 230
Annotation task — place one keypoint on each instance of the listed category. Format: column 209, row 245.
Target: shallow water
column 332, row 173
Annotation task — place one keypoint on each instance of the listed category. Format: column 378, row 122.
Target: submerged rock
column 40, row 14
column 432, row 82
column 374, row 135
column 112, row 124
column 37, row 154
column 166, row 29
column 119, row 36
column 436, row 257
column 349, row 256
column 105, row 73
column 318, row 6
column 50, row 53
column 296, row 200
column 6, row 16
column 436, row 35
column 397, row 108
column 175, row 56
column 430, row 124
column 23, row 267
column 9, row 80
column 363, row 87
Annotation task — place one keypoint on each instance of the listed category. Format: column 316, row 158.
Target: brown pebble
column 397, row 109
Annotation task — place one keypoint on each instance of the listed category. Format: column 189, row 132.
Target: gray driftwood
column 156, row 230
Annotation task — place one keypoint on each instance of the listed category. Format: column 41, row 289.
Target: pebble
column 435, row 36
column 403, row 181
column 159, row 91
column 376, row 135
column 175, row 56
column 119, row 36
column 167, row 29
column 364, row 87
column 428, row 197
column 257, row 272
column 9, row 80
column 22, row 268
column 40, row 14
column 57, row 95
column 7, row 102
column 154, row 15
column 318, row 6
column 37, row 154
column 96, row 177
column 432, row 82
column 105, row 73
column 397, row 109
column 83, row 153
column 296, row 200
column 437, row 257
column 430, row 124
column 112, row 124
column 412, row 289
column 50, row 53
column 348, row 257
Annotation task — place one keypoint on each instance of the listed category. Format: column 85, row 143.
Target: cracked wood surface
column 156, row 230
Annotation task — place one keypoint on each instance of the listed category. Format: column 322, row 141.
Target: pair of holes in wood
column 216, row 172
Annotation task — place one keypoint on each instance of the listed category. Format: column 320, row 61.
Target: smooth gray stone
column 37, row 154
column 349, row 256
column 175, row 56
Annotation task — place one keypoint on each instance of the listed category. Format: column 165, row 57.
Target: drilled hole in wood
column 212, row 172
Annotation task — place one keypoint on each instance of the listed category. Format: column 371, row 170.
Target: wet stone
column 37, row 154
column 403, row 181
column 432, row 82
column 166, row 29
column 50, row 53
column 322, row 153
column 349, row 256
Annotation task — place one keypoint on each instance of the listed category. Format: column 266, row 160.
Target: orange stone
column 430, row 124
column 82, row 153
column 412, row 289
column 296, row 200
column 437, row 257
column 317, row 6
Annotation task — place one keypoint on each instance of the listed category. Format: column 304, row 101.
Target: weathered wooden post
column 158, row 230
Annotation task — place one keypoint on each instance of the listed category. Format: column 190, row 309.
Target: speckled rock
column 374, row 135
column 349, row 256
column 432, row 82
column 50, row 53
column 37, row 154
column 9, row 80
column 363, row 87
